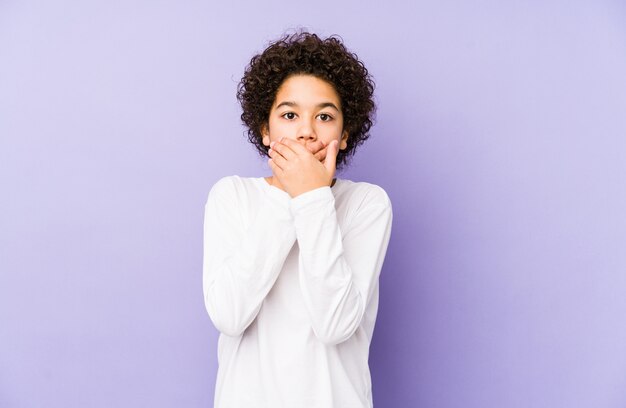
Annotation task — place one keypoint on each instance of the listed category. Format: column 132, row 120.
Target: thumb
column 331, row 157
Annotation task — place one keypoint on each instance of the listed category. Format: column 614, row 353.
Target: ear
column 265, row 133
column 343, row 142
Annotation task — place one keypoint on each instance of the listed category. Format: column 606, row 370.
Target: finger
column 277, row 157
column 331, row 157
column 275, row 168
column 285, row 150
column 321, row 154
column 295, row 147
column 316, row 146
column 276, row 151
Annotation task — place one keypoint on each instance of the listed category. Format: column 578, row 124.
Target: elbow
column 333, row 339
column 227, row 328
column 224, row 322
column 341, row 330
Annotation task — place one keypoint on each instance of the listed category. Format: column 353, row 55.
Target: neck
column 270, row 180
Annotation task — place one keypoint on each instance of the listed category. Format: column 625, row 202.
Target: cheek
column 334, row 130
column 280, row 128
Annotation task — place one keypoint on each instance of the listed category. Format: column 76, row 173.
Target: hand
column 318, row 149
column 298, row 170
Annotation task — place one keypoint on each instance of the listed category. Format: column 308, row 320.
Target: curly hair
column 306, row 53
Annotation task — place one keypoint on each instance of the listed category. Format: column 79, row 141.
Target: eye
column 289, row 115
column 325, row 117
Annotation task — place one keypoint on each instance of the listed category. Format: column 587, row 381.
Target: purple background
column 500, row 138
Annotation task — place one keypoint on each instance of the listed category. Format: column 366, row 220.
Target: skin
column 304, row 132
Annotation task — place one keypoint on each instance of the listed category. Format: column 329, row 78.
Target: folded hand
column 299, row 169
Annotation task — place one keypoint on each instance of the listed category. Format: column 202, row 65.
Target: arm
column 338, row 275
column 241, row 264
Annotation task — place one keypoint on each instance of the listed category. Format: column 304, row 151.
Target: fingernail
column 272, row 144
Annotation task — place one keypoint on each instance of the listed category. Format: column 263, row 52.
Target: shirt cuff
column 310, row 201
column 280, row 201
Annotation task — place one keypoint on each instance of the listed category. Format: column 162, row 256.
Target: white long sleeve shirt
column 292, row 286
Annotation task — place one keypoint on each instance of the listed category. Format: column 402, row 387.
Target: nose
column 306, row 132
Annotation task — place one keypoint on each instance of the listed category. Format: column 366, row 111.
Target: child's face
column 306, row 109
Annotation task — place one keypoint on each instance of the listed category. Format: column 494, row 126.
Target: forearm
column 338, row 271
column 241, row 265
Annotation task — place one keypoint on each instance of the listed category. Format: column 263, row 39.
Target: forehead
column 306, row 90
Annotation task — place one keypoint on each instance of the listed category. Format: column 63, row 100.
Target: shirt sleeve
column 338, row 275
column 241, row 263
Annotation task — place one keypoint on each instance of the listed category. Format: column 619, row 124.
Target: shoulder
column 229, row 187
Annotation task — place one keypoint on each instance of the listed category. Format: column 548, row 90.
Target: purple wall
column 501, row 140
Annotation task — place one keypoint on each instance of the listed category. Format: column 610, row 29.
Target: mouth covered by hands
column 318, row 149
column 298, row 169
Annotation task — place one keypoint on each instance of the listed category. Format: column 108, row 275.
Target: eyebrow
column 319, row 106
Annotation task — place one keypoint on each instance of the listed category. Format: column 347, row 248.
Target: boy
column 292, row 261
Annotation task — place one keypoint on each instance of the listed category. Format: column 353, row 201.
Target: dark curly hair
column 306, row 53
